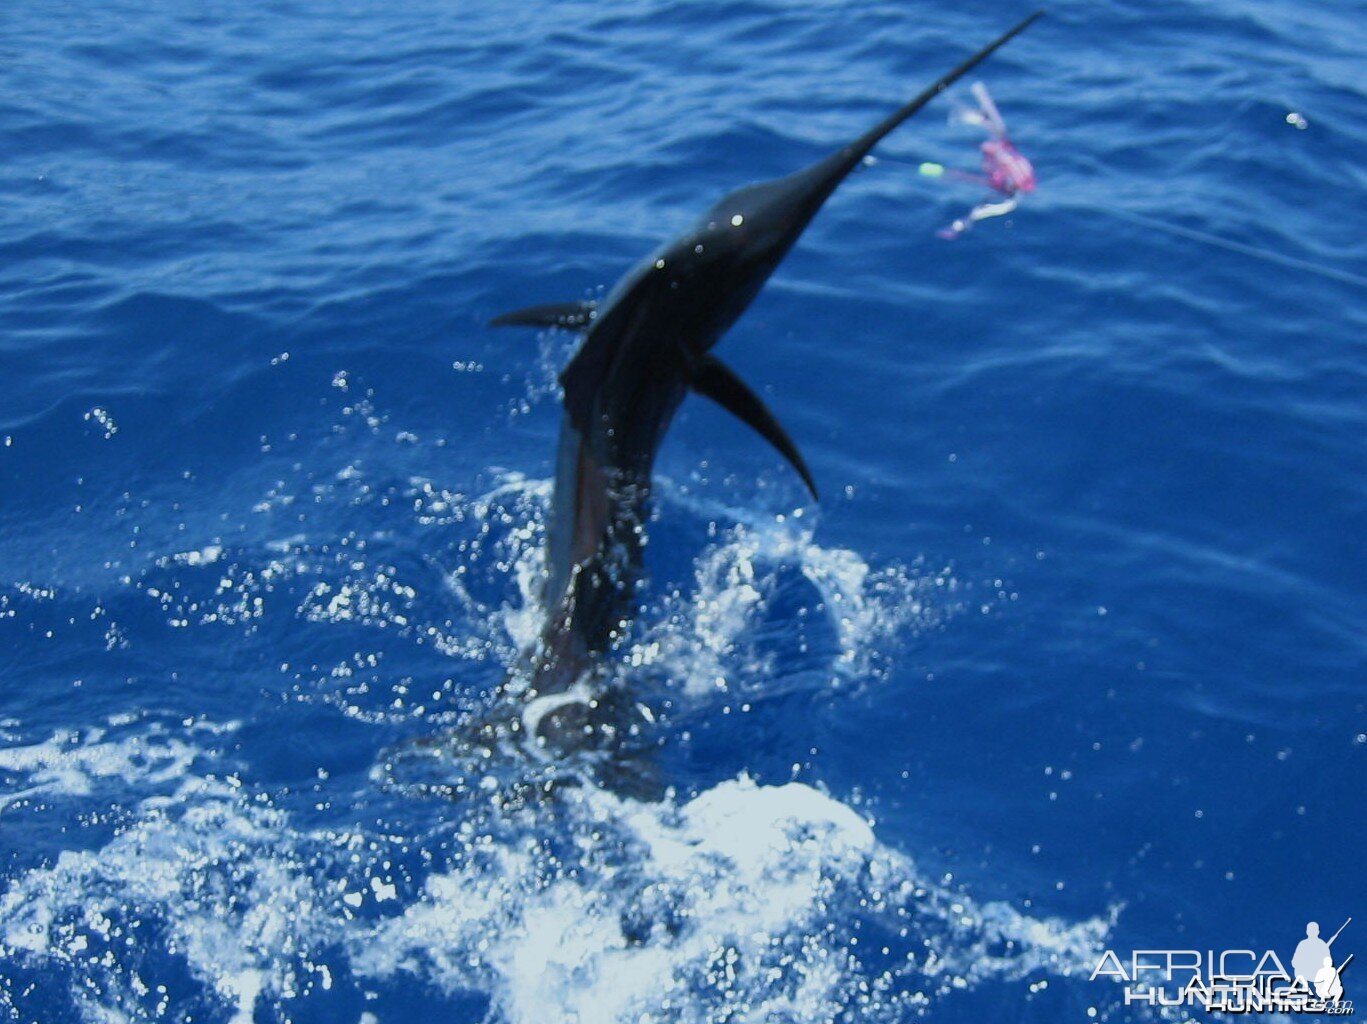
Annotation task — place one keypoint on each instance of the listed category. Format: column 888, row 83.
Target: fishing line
column 934, row 170
column 1296, row 263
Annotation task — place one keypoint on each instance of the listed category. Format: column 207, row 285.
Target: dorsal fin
column 719, row 382
column 574, row 316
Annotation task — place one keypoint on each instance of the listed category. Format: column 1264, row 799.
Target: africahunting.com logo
column 1235, row 980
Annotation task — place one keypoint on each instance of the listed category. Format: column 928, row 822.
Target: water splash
column 221, row 896
column 746, row 903
column 711, row 637
column 115, row 758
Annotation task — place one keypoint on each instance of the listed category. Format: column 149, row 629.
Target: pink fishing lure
column 1005, row 169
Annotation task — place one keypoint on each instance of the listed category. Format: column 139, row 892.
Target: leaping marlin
column 645, row 347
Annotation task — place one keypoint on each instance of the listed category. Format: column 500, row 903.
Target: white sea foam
column 868, row 610
column 743, row 903
column 206, row 555
column 699, row 627
column 123, row 754
column 206, row 876
column 746, row 903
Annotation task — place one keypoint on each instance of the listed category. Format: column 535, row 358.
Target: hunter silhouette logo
column 1235, row 980
column 1314, row 963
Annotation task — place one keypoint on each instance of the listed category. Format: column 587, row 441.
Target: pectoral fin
column 574, row 316
column 719, row 382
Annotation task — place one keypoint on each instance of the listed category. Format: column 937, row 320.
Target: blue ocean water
column 1071, row 656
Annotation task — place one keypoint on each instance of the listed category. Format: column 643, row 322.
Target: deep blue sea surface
column 1071, row 655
